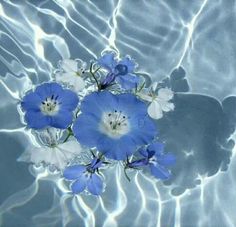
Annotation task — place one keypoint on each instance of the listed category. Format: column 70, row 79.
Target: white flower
column 52, row 153
column 70, row 72
column 159, row 103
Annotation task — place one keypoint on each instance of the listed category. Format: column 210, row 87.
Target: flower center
column 114, row 124
column 50, row 106
column 122, row 69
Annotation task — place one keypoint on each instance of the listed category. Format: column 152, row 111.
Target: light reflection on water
column 160, row 35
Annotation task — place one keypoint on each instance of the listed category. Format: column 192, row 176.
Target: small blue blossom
column 122, row 71
column 49, row 105
column 84, row 176
column 115, row 124
column 155, row 159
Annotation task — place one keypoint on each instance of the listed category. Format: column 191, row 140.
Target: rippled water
column 197, row 36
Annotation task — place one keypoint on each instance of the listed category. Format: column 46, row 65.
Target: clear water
column 161, row 35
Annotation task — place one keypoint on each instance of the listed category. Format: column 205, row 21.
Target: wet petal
column 37, row 120
column 166, row 159
column 165, row 94
column 95, row 185
column 74, row 172
column 62, row 120
column 31, row 101
column 108, row 61
column 159, row 172
column 69, row 65
column 79, row 185
column 155, row 110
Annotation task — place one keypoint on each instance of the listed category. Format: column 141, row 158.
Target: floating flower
column 49, row 105
column 159, row 103
column 84, row 176
column 115, row 124
column 155, row 159
column 121, row 71
column 52, row 152
column 70, row 72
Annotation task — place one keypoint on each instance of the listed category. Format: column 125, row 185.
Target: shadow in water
column 197, row 132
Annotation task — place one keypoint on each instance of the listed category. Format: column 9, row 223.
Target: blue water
column 191, row 43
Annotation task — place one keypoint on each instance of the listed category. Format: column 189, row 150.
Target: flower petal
column 69, row 65
column 154, row 110
column 74, row 172
column 157, row 147
column 108, row 61
column 31, row 101
column 95, row 185
column 166, row 159
column 128, row 81
column 129, row 63
column 62, row 119
column 69, row 100
column 37, row 120
column 165, row 94
column 159, row 172
column 79, row 185
column 48, row 89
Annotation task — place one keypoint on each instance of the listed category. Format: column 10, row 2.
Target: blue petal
column 31, row 102
column 74, row 172
column 141, row 124
column 95, row 185
column 108, row 61
column 85, row 129
column 166, row 159
column 159, row 172
column 118, row 149
column 79, row 185
column 128, row 81
column 62, row 119
column 131, row 105
column 99, row 102
column 157, row 147
column 69, row 100
column 37, row 120
column 129, row 63
column 48, row 89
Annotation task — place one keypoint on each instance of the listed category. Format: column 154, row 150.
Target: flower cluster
column 105, row 112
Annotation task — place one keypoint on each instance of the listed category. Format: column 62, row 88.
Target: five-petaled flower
column 155, row 159
column 52, row 152
column 159, row 103
column 115, row 124
column 49, row 105
column 85, row 176
column 70, row 72
column 120, row 71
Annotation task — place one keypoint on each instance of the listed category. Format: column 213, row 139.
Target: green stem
column 126, row 175
column 93, row 75
column 70, row 133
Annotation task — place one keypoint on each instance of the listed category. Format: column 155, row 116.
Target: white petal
column 154, row 110
column 144, row 96
column 69, row 65
column 167, row 106
column 165, row 94
column 78, row 84
column 72, row 79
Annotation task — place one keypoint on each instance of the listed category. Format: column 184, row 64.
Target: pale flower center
column 114, row 124
column 50, row 106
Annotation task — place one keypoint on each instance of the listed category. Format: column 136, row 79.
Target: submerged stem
column 70, row 133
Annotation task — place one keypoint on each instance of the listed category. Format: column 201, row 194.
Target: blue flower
column 115, row 124
column 84, row 176
column 49, row 105
column 155, row 159
column 121, row 71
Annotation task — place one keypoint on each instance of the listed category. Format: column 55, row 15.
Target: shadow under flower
column 198, row 132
